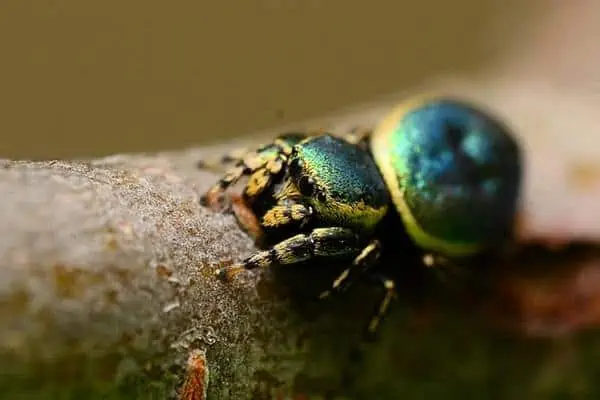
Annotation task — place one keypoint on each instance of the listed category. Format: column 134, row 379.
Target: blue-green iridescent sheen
column 348, row 173
column 459, row 171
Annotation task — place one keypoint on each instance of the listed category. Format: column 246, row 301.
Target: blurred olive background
column 86, row 78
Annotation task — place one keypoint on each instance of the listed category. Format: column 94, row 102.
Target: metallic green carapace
column 340, row 181
column 450, row 171
column 453, row 172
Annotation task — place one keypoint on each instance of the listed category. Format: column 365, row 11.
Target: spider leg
column 389, row 292
column 359, row 137
column 367, row 258
column 286, row 213
column 261, row 165
column 325, row 242
column 263, row 178
column 230, row 157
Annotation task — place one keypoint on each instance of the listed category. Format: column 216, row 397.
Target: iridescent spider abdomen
column 453, row 171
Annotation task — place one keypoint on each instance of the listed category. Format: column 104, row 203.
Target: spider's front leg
column 324, row 242
column 262, row 166
column 320, row 242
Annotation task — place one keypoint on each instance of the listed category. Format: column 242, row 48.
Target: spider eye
column 321, row 198
column 306, row 185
